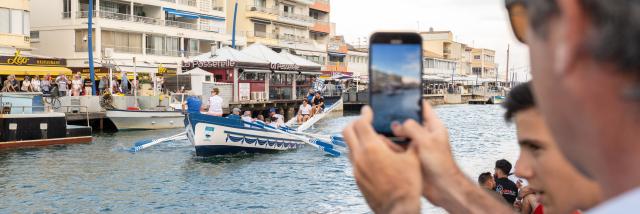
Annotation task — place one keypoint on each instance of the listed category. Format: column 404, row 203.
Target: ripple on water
column 105, row 177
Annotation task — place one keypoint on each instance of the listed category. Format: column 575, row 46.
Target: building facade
column 14, row 25
column 148, row 35
column 301, row 27
column 483, row 63
column 441, row 43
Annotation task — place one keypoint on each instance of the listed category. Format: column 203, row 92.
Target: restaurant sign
column 284, row 67
column 209, row 64
column 19, row 60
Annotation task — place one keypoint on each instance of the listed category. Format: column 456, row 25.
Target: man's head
column 486, row 181
column 503, row 168
column 272, row 111
column 561, row 187
column 247, row 113
column 318, row 94
column 584, row 60
column 236, row 111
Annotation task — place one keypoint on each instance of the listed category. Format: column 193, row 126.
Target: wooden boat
column 145, row 120
column 213, row 135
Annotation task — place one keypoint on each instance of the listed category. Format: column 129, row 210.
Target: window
column 476, row 57
column 81, row 40
column 5, row 25
column 252, row 76
column 288, row 9
column 261, row 3
column 260, row 29
column 34, row 35
column 16, row 22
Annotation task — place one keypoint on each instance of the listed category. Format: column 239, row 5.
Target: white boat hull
column 219, row 136
column 146, row 120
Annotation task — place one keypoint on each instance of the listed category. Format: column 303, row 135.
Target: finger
column 393, row 146
column 351, row 139
column 413, row 130
column 396, row 128
column 364, row 130
column 430, row 119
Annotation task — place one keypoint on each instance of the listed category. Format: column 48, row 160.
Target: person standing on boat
column 304, row 113
column 215, row 103
column 193, row 105
column 310, row 95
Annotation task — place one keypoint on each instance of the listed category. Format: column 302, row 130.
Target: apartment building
column 483, row 63
column 437, row 67
column 14, row 25
column 441, row 43
column 15, row 47
column 301, row 27
column 150, row 34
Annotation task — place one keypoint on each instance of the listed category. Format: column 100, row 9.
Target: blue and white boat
column 220, row 136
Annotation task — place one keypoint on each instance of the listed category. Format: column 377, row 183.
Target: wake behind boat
column 145, row 120
column 213, row 135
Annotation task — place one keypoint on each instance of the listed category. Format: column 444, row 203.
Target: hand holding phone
column 395, row 71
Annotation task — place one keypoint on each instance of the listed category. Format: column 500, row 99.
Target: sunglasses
column 519, row 18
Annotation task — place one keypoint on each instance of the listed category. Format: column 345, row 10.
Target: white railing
column 192, row 3
column 146, row 20
column 262, row 9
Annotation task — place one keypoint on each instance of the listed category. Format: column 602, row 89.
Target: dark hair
column 484, row 177
column 616, row 28
column 520, row 98
column 504, row 166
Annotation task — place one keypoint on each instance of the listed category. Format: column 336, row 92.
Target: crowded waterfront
column 105, row 177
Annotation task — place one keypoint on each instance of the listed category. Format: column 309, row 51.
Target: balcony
column 158, row 52
column 145, row 20
column 294, row 18
column 18, row 41
column 192, row 3
column 123, row 49
column 321, row 26
column 321, row 5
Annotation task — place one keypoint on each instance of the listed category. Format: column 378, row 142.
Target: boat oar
column 140, row 145
column 316, row 143
column 334, row 139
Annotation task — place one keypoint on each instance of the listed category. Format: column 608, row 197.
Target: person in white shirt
column 26, row 84
column 215, row 103
column 304, row 112
column 35, row 84
column 279, row 119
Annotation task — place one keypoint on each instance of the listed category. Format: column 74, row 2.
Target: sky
column 480, row 23
column 402, row 60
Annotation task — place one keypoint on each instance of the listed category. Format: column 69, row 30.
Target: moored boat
column 23, row 124
column 145, row 120
column 219, row 136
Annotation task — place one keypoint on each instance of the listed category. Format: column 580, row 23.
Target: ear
column 573, row 26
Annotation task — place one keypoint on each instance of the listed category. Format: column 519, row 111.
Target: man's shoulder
column 621, row 204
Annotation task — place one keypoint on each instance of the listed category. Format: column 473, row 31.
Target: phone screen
column 396, row 95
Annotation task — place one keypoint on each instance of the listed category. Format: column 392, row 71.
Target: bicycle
column 53, row 99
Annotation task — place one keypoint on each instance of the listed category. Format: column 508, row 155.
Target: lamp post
column 92, row 73
column 233, row 36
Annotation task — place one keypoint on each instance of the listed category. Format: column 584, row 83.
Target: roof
column 196, row 72
column 265, row 53
column 299, row 60
column 227, row 53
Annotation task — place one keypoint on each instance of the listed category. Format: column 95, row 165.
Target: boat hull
column 146, row 120
column 212, row 135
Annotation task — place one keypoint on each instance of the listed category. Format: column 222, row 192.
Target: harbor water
column 104, row 177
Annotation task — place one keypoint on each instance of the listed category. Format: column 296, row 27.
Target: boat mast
column 508, row 55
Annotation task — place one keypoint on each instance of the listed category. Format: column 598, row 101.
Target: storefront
column 26, row 65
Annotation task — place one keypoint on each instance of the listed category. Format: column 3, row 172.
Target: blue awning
column 192, row 15
column 337, row 54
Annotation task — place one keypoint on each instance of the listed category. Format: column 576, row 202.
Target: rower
column 235, row 114
column 318, row 104
column 304, row 113
column 279, row 119
column 192, row 105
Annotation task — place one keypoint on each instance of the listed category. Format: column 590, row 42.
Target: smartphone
column 395, row 73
